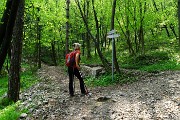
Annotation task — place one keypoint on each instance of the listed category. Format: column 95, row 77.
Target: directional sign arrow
column 111, row 32
column 113, row 36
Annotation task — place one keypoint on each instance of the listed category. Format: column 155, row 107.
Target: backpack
column 70, row 59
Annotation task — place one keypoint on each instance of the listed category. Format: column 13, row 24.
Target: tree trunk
column 97, row 43
column 67, row 26
column 8, row 34
column 167, row 31
column 88, row 46
column 179, row 22
column 4, row 20
column 16, row 50
column 135, row 32
column 53, row 52
column 131, row 51
column 155, row 6
column 141, row 29
column 104, row 61
column 112, row 27
column 173, row 30
column 38, row 41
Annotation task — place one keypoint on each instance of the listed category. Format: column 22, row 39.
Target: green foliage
column 106, row 80
column 93, row 60
column 2, row 7
column 27, row 80
column 154, row 61
column 161, row 66
column 27, row 77
column 11, row 112
column 4, row 102
column 3, row 85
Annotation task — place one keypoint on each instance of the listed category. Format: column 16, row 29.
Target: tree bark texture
column 112, row 27
column 67, row 26
column 9, row 31
column 16, row 50
column 179, row 22
column 38, row 41
column 4, row 20
column 129, row 43
column 88, row 45
column 53, row 52
column 104, row 61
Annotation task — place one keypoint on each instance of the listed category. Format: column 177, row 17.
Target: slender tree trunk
column 67, row 26
column 38, row 40
column 173, row 30
column 112, row 27
column 83, row 45
column 53, row 52
column 9, row 30
column 167, row 31
column 135, row 32
column 16, row 50
column 155, row 6
column 131, row 51
column 88, row 46
column 104, row 61
column 141, row 29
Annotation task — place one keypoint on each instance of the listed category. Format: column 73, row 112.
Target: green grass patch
column 161, row 66
column 3, row 85
column 11, row 112
column 27, row 80
column 8, row 109
column 154, row 61
column 106, row 80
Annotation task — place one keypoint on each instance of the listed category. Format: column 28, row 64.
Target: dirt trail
column 153, row 97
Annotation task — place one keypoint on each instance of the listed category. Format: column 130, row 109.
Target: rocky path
column 153, row 97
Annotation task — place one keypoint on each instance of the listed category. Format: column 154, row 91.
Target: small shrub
column 10, row 112
column 4, row 102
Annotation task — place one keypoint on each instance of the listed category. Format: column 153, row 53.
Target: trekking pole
column 87, row 92
column 73, row 81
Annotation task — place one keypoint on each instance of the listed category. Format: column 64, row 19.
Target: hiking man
column 74, row 70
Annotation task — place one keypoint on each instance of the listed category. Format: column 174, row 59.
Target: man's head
column 76, row 46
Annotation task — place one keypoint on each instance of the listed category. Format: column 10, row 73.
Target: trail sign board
column 111, row 34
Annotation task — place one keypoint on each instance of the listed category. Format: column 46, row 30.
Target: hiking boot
column 71, row 95
column 83, row 94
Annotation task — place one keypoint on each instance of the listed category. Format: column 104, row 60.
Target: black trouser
column 74, row 71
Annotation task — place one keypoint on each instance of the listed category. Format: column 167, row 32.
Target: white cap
column 76, row 46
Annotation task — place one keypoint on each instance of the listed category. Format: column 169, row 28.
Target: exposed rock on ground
column 154, row 97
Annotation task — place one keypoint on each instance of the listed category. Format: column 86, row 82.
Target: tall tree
column 67, row 25
column 179, row 22
column 112, row 28
column 95, row 39
column 9, row 30
column 4, row 20
column 87, row 35
column 38, row 43
column 16, row 50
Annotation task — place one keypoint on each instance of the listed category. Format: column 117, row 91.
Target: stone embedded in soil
column 23, row 115
column 103, row 98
